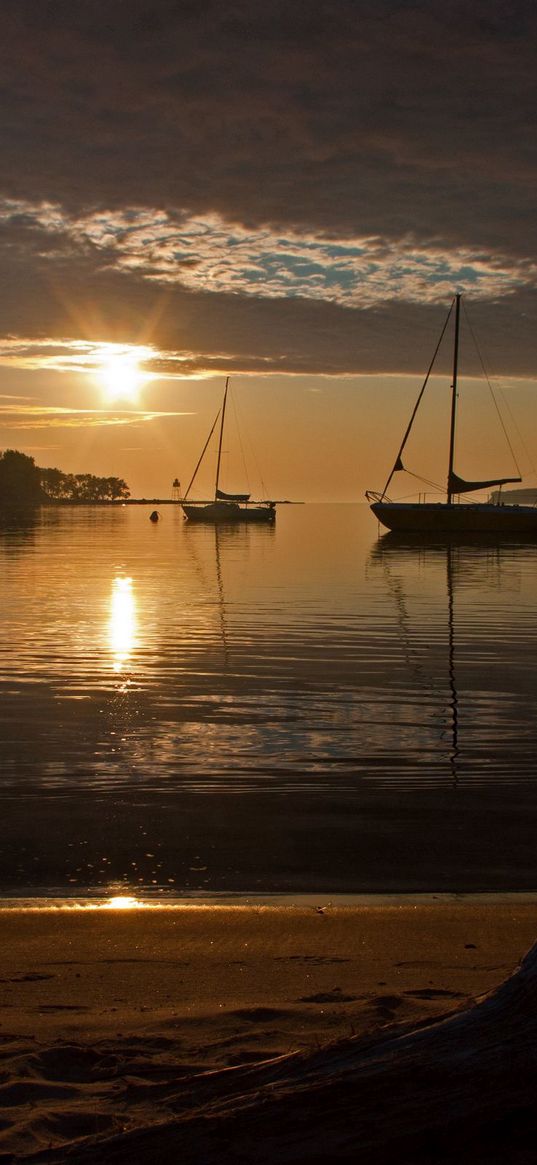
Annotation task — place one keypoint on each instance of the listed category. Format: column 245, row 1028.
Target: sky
column 285, row 193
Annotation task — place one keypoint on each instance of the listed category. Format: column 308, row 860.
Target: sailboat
column 224, row 507
column 452, row 518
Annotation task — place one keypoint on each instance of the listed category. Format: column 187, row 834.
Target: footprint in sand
column 30, row 1091
column 62, row 1007
column 76, row 1124
column 435, row 993
column 30, row 977
column 259, row 1014
column 386, row 1006
column 335, row 996
column 74, row 1063
column 313, row 960
column 392, row 1001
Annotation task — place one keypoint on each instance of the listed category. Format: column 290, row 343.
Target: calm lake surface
column 309, row 708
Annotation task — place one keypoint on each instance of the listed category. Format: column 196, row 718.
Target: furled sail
column 223, row 497
column 457, row 485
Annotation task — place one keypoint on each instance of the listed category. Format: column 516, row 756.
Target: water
column 299, row 709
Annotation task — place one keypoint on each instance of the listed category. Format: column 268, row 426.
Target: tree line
column 25, row 483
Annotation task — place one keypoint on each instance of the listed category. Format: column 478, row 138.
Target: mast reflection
column 392, row 549
column 454, row 699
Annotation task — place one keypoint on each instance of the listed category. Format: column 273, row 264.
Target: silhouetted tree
column 20, row 479
column 82, row 487
column 116, row 487
column 22, row 482
column 55, row 483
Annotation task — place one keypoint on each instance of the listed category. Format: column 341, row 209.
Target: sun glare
column 122, row 902
column 121, row 376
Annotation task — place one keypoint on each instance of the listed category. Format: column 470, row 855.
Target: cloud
column 233, row 335
column 262, row 187
column 371, row 117
column 54, row 416
column 208, row 254
column 14, row 396
column 67, row 355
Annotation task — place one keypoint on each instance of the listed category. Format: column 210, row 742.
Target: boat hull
column 229, row 513
column 431, row 519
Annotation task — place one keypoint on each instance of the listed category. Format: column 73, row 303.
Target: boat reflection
column 221, row 598
column 216, row 551
column 406, row 562
column 453, row 694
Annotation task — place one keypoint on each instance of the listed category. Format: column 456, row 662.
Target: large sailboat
column 452, row 518
column 224, row 507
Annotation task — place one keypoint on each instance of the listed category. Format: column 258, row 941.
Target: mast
column 220, row 440
column 454, row 398
column 192, row 479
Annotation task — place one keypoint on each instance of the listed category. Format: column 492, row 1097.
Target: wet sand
column 103, row 1012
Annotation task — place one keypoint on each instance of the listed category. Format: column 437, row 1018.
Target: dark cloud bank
column 389, row 119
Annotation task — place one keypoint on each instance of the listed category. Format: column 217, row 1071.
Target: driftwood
column 459, row 1089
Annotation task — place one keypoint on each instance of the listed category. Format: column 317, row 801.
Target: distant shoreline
column 132, row 502
column 53, row 503
column 111, row 502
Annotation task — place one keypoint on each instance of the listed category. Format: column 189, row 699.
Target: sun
column 121, row 376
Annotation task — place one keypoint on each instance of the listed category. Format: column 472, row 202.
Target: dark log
column 460, row 1089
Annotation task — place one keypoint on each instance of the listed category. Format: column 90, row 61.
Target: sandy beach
column 106, row 1013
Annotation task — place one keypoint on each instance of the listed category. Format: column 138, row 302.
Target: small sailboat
column 224, row 507
column 452, row 518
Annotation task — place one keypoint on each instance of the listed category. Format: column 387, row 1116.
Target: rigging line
column 408, row 497
column 264, row 491
column 193, row 478
column 425, row 480
column 508, row 409
column 418, row 402
column 253, row 453
column 238, row 428
column 434, row 485
column 491, row 390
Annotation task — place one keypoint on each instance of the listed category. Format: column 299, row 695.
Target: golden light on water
column 122, row 625
column 122, row 902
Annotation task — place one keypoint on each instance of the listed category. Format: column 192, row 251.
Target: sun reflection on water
column 122, row 902
column 122, row 625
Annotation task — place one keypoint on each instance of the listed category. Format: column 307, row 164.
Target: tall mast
column 220, row 440
column 454, row 397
